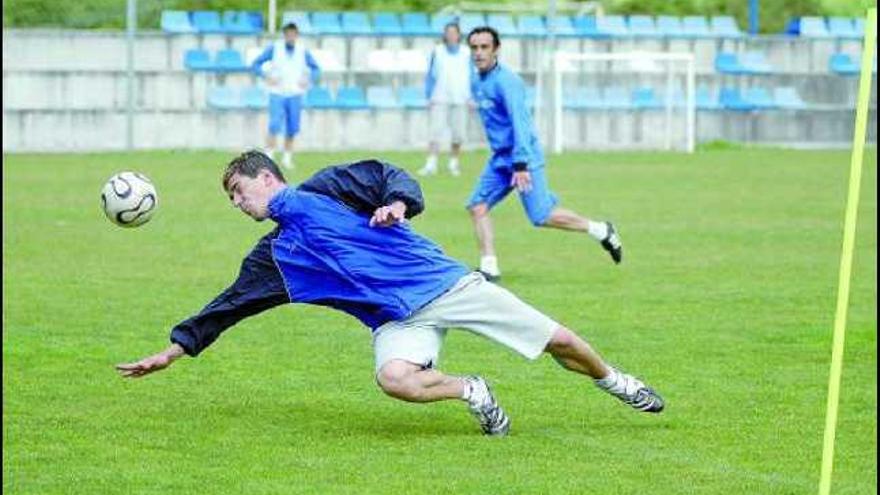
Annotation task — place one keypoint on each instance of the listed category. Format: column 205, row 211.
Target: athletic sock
column 610, row 381
column 431, row 163
column 489, row 264
column 597, row 230
column 466, row 390
column 453, row 165
column 287, row 159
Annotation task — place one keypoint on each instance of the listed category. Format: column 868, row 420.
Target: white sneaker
column 493, row 420
column 453, row 167
column 287, row 161
column 631, row 391
column 427, row 171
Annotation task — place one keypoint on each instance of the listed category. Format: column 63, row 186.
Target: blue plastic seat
column 585, row 25
column 503, row 23
column 787, row 97
column 583, row 98
column 642, row 26
column 197, row 59
column 859, row 25
column 562, row 26
column 695, row 27
column 224, row 98
column 706, row 100
column 256, row 20
column 318, row 97
column 416, row 24
column 759, row 98
column 532, row 26
column 616, row 98
column 356, row 23
column 387, row 24
column 207, row 21
column 793, row 27
column 177, row 22
column 254, row 97
column 238, row 22
column 670, row 26
column 612, row 25
column 725, row 26
column 755, row 62
column 731, row 99
column 814, row 27
column 728, row 63
column 843, row 64
column 843, row 27
column 469, row 21
column 326, row 23
column 645, row 99
column 301, row 19
column 412, row 97
column 229, row 60
column 382, row 97
column 351, row 98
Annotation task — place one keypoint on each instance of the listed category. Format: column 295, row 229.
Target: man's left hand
column 522, row 181
column 387, row 216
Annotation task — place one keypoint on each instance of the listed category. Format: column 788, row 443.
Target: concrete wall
column 67, row 90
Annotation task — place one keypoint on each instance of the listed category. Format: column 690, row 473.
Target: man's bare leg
column 604, row 232
column 485, row 240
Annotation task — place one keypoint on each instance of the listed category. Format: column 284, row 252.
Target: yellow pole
column 846, row 256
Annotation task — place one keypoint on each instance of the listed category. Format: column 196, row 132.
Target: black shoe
column 490, row 278
column 611, row 243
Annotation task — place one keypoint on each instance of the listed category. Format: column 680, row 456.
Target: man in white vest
column 288, row 69
column 448, row 89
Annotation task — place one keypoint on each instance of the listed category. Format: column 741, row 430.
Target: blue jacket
column 500, row 95
column 269, row 52
column 324, row 252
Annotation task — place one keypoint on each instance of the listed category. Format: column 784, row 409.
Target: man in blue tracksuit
column 342, row 240
column 517, row 161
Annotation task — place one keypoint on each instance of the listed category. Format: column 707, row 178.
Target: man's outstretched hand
column 386, row 216
column 150, row 364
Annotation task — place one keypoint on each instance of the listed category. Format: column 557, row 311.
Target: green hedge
column 110, row 14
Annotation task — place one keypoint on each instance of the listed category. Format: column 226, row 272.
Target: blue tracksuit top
column 500, row 95
column 324, row 252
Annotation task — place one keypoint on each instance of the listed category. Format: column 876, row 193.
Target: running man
column 342, row 240
column 289, row 70
column 517, row 161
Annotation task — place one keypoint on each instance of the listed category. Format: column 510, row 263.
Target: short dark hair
column 249, row 164
column 290, row 26
column 453, row 24
column 496, row 40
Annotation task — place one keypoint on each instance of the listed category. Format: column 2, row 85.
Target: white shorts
column 448, row 119
column 473, row 304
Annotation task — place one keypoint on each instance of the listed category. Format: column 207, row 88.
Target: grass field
column 724, row 302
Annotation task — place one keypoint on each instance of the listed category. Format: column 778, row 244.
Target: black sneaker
column 611, row 243
column 493, row 420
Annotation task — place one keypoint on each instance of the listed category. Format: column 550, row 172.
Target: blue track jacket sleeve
column 513, row 92
column 314, row 68
column 259, row 287
column 256, row 66
column 366, row 185
column 430, row 78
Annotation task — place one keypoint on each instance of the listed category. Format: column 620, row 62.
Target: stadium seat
column 531, row 26
column 642, row 26
column 197, row 59
column 256, row 20
column 706, row 100
column 754, row 62
column 759, row 98
column 562, row 26
column 351, row 98
column 301, row 19
column 327, row 60
column 503, row 23
column 238, row 22
column 695, row 27
column 612, row 25
column 439, row 21
column 254, row 97
column 814, row 27
column 326, row 23
column 843, row 27
column 387, row 24
column 793, row 27
column 585, row 26
column 859, row 25
column 731, row 99
column 176, row 22
column 670, row 26
column 412, row 97
column 616, row 98
column 382, row 97
column 645, row 99
column 843, row 64
column 416, row 24
column 724, row 26
column 412, row 60
column 229, row 60
column 787, row 97
column 224, row 98
column 318, row 97
column 583, row 98
column 728, row 63
column 356, row 23
column 207, row 21
column 469, row 21
column 381, row 60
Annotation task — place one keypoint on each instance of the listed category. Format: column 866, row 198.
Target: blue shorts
column 284, row 111
column 494, row 185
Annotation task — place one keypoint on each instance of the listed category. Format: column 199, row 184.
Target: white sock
column 287, row 158
column 431, row 162
column 597, row 230
column 609, row 381
column 453, row 164
column 489, row 264
column 466, row 390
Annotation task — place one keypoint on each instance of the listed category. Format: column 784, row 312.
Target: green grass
column 724, row 302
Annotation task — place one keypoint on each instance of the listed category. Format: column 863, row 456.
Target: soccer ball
column 129, row 199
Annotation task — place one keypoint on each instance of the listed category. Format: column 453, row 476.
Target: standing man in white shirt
column 289, row 69
column 447, row 88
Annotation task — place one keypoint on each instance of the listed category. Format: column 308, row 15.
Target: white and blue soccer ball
column 129, row 199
